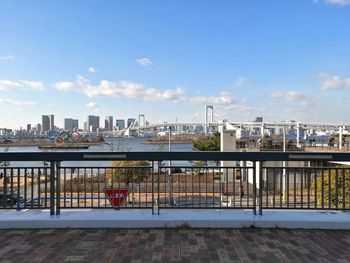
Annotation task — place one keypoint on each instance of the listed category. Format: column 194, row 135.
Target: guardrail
column 181, row 180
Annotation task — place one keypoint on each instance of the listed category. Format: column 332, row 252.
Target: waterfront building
column 45, row 123
column 120, row 124
column 71, row 124
column 86, row 128
column 93, row 123
column 52, row 122
column 109, row 123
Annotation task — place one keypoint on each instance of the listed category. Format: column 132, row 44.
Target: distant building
column 109, row 123
column 93, row 123
column 38, row 127
column 257, row 131
column 259, row 119
column 86, row 127
column 75, row 125
column 52, row 122
column 130, row 122
column 45, row 123
column 71, row 124
column 120, row 124
column 29, row 127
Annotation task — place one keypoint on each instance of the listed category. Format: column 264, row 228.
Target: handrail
column 175, row 156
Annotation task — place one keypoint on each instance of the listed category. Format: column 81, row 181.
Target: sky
column 283, row 60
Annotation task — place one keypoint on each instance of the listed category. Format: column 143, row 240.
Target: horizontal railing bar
column 105, row 207
column 180, row 156
column 208, row 207
column 305, row 208
column 25, row 167
column 307, row 167
column 209, row 167
column 104, row 167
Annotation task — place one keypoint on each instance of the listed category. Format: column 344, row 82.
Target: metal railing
column 181, row 180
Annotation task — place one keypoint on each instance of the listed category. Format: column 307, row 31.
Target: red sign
column 116, row 196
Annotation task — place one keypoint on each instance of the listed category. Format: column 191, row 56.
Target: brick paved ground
column 192, row 245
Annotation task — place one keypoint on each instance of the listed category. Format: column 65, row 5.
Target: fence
column 168, row 180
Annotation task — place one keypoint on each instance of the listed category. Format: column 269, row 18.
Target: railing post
column 4, row 187
column 152, row 180
column 260, row 188
column 158, row 182
column 52, row 188
column 18, row 188
column 254, row 187
column 58, row 188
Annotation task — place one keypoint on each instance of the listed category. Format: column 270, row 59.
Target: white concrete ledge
column 173, row 219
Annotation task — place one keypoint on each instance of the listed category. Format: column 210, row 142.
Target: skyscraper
column 71, row 124
column 93, row 123
column 52, row 122
column 45, row 123
column 109, row 123
column 75, row 124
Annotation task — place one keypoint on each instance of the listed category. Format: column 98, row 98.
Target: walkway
column 174, row 245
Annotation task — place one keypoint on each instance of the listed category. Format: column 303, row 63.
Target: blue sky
column 167, row 59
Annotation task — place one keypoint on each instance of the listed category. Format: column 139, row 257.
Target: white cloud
column 224, row 98
column 144, row 62
column 132, row 90
column 37, row 85
column 288, row 95
column 10, row 85
column 91, row 105
column 66, row 86
column 120, row 89
column 17, row 102
column 94, row 106
column 91, row 70
column 333, row 82
column 22, row 84
column 338, row 2
column 242, row 81
column 8, row 57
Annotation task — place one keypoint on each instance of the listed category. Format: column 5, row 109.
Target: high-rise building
column 86, row 127
column 45, row 123
column 93, row 123
column 75, row 124
column 52, row 122
column 71, row 124
column 120, row 124
column 109, row 123
column 29, row 127
column 38, row 127
column 130, row 122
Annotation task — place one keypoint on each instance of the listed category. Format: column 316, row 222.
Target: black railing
column 181, row 180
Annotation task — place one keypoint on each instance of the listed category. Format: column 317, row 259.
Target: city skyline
column 167, row 60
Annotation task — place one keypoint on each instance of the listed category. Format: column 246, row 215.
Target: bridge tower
column 206, row 123
column 139, row 123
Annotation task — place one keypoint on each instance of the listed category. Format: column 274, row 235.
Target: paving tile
column 172, row 245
